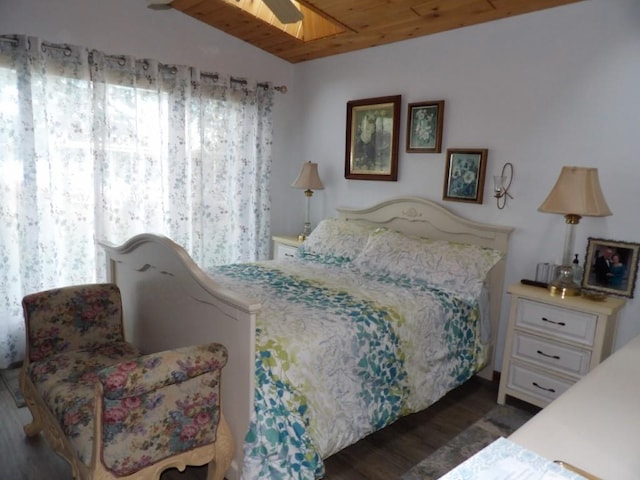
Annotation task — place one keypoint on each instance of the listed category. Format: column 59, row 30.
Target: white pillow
column 458, row 268
column 336, row 240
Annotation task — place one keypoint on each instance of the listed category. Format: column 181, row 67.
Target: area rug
column 10, row 377
column 501, row 421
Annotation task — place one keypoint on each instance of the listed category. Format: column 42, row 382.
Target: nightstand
column 552, row 342
column 285, row 246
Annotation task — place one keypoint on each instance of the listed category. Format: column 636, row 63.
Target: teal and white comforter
column 341, row 354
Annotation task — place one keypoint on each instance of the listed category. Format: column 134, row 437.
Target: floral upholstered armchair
column 108, row 410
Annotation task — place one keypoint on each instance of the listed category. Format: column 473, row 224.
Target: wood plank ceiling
column 331, row 27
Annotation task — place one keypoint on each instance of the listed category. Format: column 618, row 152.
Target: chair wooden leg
column 223, row 452
column 27, row 389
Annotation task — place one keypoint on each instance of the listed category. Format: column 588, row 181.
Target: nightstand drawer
column 540, row 385
column 550, row 354
column 562, row 323
column 284, row 251
column 285, row 247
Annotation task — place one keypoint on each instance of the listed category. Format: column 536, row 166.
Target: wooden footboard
column 168, row 302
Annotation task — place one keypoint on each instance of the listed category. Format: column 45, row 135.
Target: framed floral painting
column 464, row 175
column 424, row 127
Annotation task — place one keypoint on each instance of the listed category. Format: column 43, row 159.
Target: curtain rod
column 242, row 81
column 67, row 51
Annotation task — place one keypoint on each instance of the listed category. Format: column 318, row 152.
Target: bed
column 336, row 343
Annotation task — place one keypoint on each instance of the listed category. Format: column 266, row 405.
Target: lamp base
column 563, row 285
column 306, row 231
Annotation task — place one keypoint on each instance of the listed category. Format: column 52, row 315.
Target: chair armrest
column 157, row 406
column 157, row 370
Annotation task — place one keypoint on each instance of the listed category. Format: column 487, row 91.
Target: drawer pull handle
column 545, row 319
column 555, row 357
column 552, row 390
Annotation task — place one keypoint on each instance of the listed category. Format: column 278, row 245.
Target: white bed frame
column 170, row 302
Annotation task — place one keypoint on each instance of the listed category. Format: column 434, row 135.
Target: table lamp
column 309, row 180
column 576, row 194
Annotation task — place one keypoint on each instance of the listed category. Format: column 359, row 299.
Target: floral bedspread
column 341, row 354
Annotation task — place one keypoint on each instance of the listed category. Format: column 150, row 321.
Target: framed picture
column 424, row 127
column 611, row 267
column 464, row 175
column 373, row 128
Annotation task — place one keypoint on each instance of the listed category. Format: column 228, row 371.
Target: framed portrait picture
column 611, row 267
column 424, row 127
column 373, row 128
column 464, row 175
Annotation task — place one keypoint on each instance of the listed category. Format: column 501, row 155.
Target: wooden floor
column 383, row 455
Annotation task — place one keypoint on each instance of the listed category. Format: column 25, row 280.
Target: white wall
column 552, row 88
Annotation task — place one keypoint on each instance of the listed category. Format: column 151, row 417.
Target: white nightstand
column 552, row 342
column 285, row 246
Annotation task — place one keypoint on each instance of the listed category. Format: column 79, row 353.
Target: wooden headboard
column 422, row 217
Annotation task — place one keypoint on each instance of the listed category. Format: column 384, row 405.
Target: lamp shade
column 308, row 178
column 577, row 192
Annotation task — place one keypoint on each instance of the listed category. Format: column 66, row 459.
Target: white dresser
column 552, row 342
column 285, row 246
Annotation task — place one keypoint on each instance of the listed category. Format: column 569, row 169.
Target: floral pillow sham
column 458, row 268
column 335, row 240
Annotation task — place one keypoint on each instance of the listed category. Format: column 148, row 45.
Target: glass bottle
column 577, row 271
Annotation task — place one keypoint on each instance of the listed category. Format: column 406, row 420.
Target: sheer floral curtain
column 95, row 147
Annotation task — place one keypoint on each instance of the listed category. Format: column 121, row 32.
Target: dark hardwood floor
column 383, row 455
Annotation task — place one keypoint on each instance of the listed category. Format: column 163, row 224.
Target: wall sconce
column 309, row 180
column 501, row 184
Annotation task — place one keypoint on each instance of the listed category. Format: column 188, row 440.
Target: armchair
column 110, row 411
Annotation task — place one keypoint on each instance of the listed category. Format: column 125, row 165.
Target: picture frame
column 425, row 122
column 618, row 277
column 464, row 175
column 373, row 130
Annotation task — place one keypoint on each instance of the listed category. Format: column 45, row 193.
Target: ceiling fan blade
column 159, row 4
column 284, row 10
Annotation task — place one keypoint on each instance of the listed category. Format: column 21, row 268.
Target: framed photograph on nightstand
column 611, row 267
